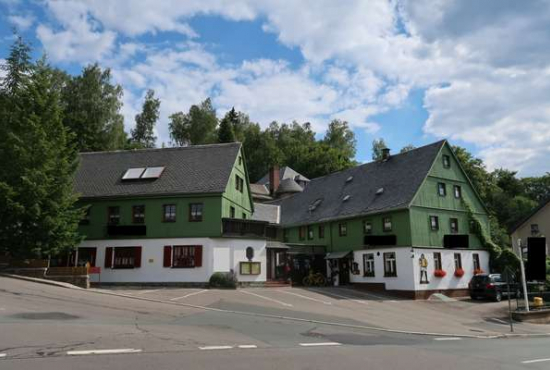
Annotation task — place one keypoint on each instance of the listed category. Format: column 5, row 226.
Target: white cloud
column 21, row 22
column 483, row 64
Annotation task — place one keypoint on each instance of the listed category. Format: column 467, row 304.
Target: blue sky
column 411, row 72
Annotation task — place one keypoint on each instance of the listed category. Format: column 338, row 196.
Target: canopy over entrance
column 338, row 255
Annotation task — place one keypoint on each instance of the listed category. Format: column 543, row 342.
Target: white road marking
column 343, row 296
column 305, row 297
column 267, row 298
column 247, row 346
column 189, row 295
column 148, row 291
column 499, row 320
column 447, row 338
column 535, row 361
column 320, row 344
column 2, row 355
column 103, row 351
column 210, row 348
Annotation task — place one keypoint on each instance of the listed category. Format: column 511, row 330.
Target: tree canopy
column 143, row 134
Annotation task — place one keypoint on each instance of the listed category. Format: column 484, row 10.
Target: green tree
column 198, row 126
column 92, row 110
column 537, row 188
column 377, row 146
column 407, row 148
column 17, row 67
column 143, row 134
column 340, row 137
column 226, row 132
column 37, row 164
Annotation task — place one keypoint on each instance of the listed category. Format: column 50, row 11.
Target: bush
column 226, row 280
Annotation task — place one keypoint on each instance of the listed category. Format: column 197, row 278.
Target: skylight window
column 380, row 191
column 152, row 173
column 133, row 173
column 315, row 204
column 346, row 198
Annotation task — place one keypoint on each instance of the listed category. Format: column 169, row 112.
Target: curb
column 42, row 281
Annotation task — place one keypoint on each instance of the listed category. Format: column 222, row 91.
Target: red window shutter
column 137, row 256
column 108, row 257
column 198, row 255
column 167, row 256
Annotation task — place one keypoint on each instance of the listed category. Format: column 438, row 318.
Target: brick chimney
column 274, row 179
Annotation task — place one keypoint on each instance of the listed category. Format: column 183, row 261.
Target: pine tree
column 38, row 216
column 143, row 134
column 226, row 131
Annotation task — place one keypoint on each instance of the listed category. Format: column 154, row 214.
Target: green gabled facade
column 216, row 203
column 410, row 222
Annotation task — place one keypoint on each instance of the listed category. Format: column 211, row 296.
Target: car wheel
column 498, row 296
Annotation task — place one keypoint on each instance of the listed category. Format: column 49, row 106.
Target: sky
column 410, row 71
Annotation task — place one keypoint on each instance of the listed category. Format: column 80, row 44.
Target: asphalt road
column 49, row 327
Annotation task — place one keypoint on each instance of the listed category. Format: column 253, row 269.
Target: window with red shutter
column 167, row 256
column 137, row 256
column 198, row 256
column 108, row 257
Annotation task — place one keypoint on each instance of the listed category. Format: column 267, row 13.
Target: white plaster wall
column 450, row 281
column 218, row 255
column 405, row 270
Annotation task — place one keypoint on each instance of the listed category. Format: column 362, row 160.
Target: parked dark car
column 492, row 286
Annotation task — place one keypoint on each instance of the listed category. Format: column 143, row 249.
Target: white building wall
column 218, row 255
column 408, row 268
column 450, row 281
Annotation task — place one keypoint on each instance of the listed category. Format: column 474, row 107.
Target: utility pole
column 523, row 281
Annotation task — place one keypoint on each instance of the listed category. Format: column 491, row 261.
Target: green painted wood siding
column 210, row 226
column 354, row 240
column 240, row 200
column 428, row 202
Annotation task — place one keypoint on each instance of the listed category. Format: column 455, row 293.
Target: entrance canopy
column 338, row 255
column 276, row 245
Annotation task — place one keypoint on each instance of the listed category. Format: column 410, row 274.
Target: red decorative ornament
column 459, row 273
column 440, row 273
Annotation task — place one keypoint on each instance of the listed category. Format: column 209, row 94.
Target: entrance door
column 277, row 264
column 343, row 271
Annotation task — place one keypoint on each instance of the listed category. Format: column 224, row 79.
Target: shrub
column 226, row 280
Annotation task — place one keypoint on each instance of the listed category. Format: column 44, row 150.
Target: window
column 367, row 227
column 240, row 161
column 390, row 264
column 437, row 261
column 458, row 192
column 231, row 212
column 446, row 161
column 342, row 229
column 454, row 225
column 477, row 265
column 187, row 256
column 441, row 189
column 302, row 232
column 244, row 216
column 113, row 215
column 86, row 218
column 534, row 229
column 386, row 224
column 310, row 232
column 138, row 214
column 321, row 231
column 169, row 213
column 458, row 261
column 239, row 183
column 434, row 223
column 472, row 226
column 368, row 264
column 195, row 212
column 127, row 257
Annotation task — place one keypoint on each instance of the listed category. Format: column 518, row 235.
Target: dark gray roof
column 323, row 199
column 259, row 189
column 284, row 173
column 188, row 170
column 289, row 186
column 531, row 214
